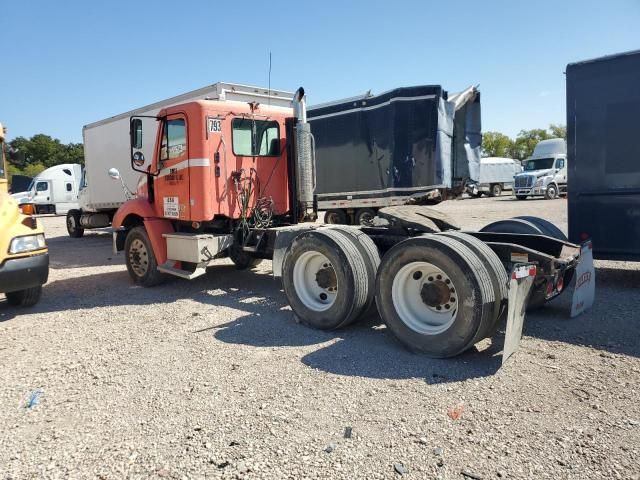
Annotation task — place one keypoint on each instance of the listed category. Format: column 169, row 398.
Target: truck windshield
column 538, row 164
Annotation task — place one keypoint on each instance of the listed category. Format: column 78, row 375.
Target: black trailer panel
column 394, row 144
column 603, row 150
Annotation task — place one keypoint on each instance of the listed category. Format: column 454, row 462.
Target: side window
column 255, row 137
column 69, row 187
column 176, row 136
column 560, row 163
column 42, row 187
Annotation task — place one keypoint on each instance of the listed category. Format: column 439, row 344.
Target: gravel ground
column 215, row 379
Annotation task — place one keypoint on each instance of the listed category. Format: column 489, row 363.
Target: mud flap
column 522, row 277
column 585, row 288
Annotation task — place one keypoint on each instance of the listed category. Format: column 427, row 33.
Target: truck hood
column 21, row 197
column 536, row 173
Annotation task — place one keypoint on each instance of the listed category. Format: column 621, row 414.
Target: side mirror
column 114, row 173
column 138, row 159
column 136, row 133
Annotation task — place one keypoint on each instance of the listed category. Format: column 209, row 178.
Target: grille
column 524, row 181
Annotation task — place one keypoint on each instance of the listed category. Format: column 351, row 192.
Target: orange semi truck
column 233, row 179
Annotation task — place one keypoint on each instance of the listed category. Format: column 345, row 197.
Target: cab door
column 561, row 170
column 42, row 192
column 172, row 183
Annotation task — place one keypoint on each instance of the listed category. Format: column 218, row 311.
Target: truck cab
column 544, row 172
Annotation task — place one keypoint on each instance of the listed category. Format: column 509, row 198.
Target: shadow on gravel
column 613, row 323
column 92, row 250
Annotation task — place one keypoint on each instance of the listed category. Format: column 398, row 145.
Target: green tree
column 496, row 144
column 526, row 141
column 43, row 150
column 33, row 169
column 558, row 131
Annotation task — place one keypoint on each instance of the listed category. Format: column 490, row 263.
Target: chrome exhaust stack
column 305, row 157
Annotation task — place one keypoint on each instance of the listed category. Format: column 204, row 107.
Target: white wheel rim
column 139, row 257
column 415, row 313
column 314, row 295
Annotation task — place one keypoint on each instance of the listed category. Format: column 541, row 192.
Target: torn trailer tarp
column 398, row 143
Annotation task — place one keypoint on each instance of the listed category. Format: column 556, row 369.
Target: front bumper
column 530, row 191
column 25, row 272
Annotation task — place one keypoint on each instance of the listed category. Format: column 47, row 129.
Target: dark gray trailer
column 603, row 149
column 408, row 145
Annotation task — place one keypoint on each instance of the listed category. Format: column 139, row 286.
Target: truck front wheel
column 73, row 224
column 496, row 190
column 141, row 261
column 552, row 192
column 25, row 298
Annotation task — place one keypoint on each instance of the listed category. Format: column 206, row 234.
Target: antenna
column 269, row 92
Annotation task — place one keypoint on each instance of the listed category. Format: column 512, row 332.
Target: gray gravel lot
column 215, row 379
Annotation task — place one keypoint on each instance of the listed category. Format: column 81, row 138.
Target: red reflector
column 532, row 271
column 549, row 288
column 560, row 284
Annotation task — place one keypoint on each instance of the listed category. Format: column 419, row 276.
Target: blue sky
column 68, row 63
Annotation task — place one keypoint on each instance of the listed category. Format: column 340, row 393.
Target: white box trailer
column 496, row 175
column 107, row 146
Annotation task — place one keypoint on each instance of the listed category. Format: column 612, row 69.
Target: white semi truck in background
column 54, row 190
column 106, row 146
column 544, row 172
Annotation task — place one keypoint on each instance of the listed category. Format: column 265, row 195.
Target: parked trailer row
column 232, row 179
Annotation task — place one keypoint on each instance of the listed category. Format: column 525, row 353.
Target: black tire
column 242, row 260
column 371, row 256
column 513, row 225
column 365, row 216
column 471, row 284
column 349, row 268
column 521, row 197
column 141, row 261
column 551, row 192
column 495, row 190
column 25, row 298
column 546, row 227
column 497, row 272
column 335, row 217
column 73, row 224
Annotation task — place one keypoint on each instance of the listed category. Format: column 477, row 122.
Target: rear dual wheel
column 436, row 295
column 329, row 276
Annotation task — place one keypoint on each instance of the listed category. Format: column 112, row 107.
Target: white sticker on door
column 171, row 207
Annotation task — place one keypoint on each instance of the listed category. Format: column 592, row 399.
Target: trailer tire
column 141, row 261
column 551, row 192
column 546, row 227
column 497, row 272
column 335, row 217
column 325, row 279
column 242, row 260
column 365, row 216
column 25, row 298
column 73, row 224
column 495, row 190
column 415, row 313
column 371, row 256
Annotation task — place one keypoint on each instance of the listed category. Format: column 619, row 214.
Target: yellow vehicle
column 24, row 257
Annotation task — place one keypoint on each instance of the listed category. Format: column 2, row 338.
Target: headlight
column 539, row 182
column 27, row 243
